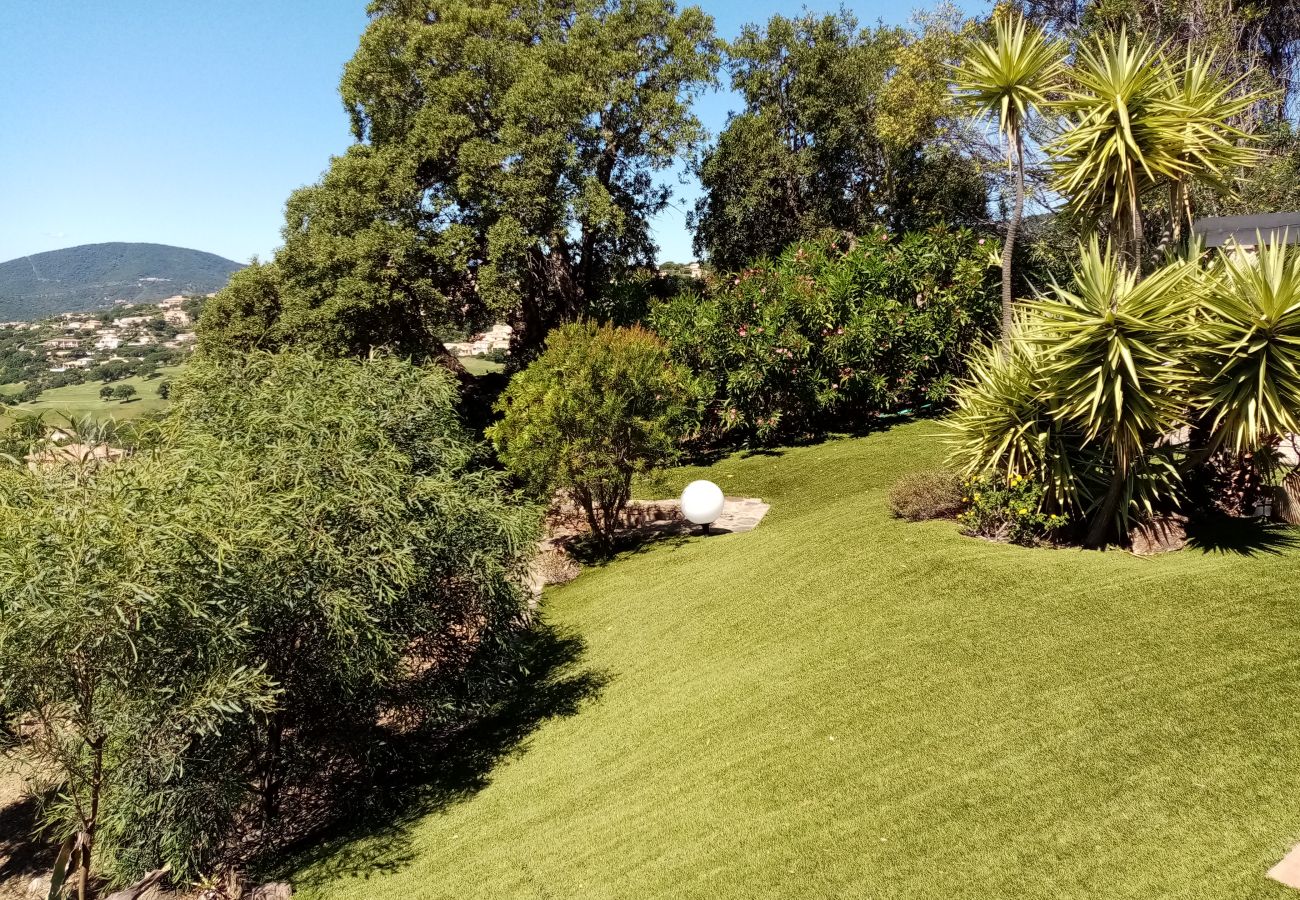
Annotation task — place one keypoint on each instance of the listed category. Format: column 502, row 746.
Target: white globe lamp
column 702, row 503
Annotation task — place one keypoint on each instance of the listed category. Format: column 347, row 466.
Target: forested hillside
column 95, row 275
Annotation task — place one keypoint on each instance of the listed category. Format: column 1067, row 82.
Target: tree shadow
column 590, row 554
column 423, row 774
column 1245, row 537
column 23, row 854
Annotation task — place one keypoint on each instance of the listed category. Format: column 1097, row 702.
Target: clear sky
column 188, row 122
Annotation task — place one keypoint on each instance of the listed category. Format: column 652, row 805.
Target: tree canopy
column 842, row 128
column 505, row 167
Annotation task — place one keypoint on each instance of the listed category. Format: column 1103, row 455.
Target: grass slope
column 841, row 704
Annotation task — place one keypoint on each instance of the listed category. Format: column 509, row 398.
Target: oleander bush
column 833, row 333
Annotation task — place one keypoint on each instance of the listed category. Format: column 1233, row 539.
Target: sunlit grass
column 84, row 399
column 841, row 704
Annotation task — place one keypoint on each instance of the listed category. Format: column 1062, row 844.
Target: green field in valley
column 843, row 704
column 84, row 399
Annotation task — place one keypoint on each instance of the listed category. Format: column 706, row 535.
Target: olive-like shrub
column 600, row 405
column 307, row 555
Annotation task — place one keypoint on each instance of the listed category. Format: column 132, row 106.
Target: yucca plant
column 1212, row 148
column 1010, row 77
column 1125, row 134
column 1249, row 385
column 1002, row 425
column 1114, row 366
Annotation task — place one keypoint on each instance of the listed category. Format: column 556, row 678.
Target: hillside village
column 107, row 346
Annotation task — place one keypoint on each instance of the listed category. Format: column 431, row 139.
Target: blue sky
column 189, row 123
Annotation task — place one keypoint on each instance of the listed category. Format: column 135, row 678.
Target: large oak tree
column 505, row 167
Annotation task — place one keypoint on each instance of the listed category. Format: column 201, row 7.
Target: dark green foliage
column 832, row 336
column 1274, row 185
column 307, row 551
column 85, row 277
column 123, row 392
column 600, row 405
column 926, row 494
column 505, row 168
column 841, row 128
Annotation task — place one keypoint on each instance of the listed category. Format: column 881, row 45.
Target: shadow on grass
column 589, row 554
column 849, row 426
column 1245, row 537
column 425, row 776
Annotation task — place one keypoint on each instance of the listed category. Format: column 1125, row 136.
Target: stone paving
column 738, row 514
column 1288, row 870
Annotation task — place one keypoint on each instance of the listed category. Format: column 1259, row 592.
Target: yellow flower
column 1023, row 510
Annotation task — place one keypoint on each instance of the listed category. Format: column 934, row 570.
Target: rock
column 275, row 890
column 1159, row 535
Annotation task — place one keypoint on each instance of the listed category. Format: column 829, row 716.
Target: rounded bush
column 930, row 494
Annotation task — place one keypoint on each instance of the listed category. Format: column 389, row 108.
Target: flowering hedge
column 832, row 334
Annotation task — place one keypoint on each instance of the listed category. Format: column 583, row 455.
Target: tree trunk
column 88, row 838
column 1008, row 246
column 1101, row 524
column 271, row 770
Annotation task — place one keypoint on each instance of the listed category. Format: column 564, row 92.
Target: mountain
column 93, row 276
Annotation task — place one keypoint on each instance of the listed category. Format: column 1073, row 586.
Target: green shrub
column 600, row 405
column 1008, row 510
column 831, row 335
column 308, row 549
column 932, row 494
column 1126, row 396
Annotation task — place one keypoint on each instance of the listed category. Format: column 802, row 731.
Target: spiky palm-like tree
column 1212, row 148
column 1113, row 365
column 1003, row 426
column 1250, row 372
column 1010, row 77
column 1125, row 133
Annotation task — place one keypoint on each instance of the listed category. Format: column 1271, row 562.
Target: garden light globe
column 702, row 502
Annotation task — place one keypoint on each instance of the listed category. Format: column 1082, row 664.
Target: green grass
column 475, row 365
column 841, row 704
column 84, row 399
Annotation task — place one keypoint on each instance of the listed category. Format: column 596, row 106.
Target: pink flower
column 981, row 242
column 741, row 331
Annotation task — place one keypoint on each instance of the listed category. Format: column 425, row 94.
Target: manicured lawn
column 84, row 399
column 840, row 704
